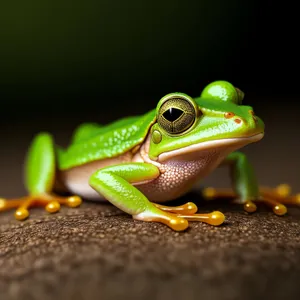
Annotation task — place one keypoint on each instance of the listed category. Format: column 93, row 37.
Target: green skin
column 92, row 142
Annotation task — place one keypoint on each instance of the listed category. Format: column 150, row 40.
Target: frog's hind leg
column 40, row 176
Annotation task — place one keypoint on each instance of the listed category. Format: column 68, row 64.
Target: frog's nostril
column 229, row 115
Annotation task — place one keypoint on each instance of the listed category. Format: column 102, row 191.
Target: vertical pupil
column 172, row 114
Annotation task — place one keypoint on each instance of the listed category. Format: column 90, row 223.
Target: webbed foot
column 51, row 203
column 276, row 198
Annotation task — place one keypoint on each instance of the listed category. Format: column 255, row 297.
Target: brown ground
column 97, row 252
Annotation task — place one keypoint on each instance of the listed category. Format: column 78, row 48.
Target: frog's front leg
column 115, row 184
column 246, row 190
column 40, row 176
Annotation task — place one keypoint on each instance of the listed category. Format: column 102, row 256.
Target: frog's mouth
column 231, row 144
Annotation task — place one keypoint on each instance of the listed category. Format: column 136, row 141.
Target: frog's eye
column 176, row 114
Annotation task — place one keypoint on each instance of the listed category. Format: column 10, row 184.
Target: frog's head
column 216, row 119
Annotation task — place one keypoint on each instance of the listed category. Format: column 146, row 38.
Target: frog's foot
column 178, row 220
column 275, row 198
column 188, row 211
column 49, row 201
column 279, row 197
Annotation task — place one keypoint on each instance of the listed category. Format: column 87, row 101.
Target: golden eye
column 176, row 115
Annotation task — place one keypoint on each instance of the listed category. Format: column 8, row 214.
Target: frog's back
column 92, row 142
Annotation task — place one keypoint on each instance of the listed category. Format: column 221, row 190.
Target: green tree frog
column 139, row 163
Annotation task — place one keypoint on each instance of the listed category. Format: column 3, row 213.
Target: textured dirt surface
column 97, row 252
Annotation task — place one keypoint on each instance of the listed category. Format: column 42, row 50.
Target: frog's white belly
column 178, row 175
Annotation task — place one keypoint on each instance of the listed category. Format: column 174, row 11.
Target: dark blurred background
column 76, row 61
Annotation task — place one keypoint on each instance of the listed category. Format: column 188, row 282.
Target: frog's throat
column 233, row 143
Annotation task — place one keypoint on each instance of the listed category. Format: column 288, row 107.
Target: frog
column 140, row 163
